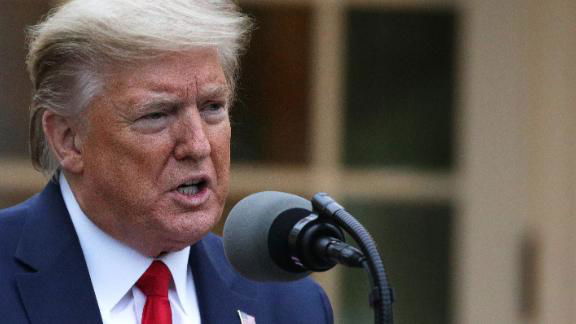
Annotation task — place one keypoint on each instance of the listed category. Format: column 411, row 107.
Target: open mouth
column 192, row 187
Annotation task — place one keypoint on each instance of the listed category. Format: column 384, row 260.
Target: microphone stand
column 381, row 296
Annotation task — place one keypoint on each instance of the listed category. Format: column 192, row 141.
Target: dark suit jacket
column 44, row 278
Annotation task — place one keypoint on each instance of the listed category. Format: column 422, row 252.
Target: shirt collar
column 115, row 267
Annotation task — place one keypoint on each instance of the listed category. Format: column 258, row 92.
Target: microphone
column 276, row 236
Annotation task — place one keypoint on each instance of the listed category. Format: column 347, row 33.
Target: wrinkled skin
column 155, row 126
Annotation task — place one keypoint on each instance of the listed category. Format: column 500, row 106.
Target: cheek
column 220, row 154
column 124, row 160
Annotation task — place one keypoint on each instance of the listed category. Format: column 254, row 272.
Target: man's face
column 156, row 152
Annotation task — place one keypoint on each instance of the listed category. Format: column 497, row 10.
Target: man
column 130, row 120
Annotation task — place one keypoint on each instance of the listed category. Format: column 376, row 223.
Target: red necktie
column 154, row 284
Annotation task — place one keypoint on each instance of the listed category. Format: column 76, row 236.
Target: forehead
column 190, row 73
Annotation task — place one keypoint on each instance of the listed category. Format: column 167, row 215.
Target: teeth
column 189, row 189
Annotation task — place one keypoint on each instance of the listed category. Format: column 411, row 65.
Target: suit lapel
column 221, row 294
column 58, row 288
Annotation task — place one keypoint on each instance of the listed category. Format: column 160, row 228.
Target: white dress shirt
column 115, row 267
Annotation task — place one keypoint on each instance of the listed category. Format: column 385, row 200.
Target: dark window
column 414, row 241
column 270, row 119
column 400, row 88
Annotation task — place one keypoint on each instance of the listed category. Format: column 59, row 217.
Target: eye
column 152, row 122
column 214, row 111
column 214, row 106
column 154, row 116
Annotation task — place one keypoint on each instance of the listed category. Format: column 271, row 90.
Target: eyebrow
column 159, row 98
column 215, row 90
column 156, row 101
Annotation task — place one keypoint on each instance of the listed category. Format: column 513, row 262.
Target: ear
column 64, row 140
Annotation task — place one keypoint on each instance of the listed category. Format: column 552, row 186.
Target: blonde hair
column 69, row 48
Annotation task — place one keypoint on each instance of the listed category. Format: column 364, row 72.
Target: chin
column 175, row 231
column 187, row 235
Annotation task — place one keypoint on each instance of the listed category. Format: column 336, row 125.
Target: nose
column 191, row 138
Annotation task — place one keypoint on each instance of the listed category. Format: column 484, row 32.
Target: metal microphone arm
column 381, row 296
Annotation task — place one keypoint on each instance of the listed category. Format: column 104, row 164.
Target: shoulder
column 7, row 214
column 303, row 301
column 12, row 221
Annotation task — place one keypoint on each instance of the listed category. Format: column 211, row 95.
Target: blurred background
column 445, row 126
